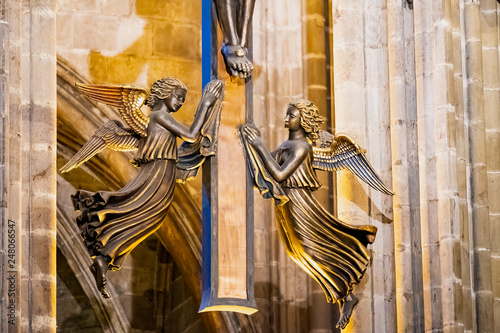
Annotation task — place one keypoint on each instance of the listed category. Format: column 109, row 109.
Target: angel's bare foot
column 346, row 306
column 99, row 269
column 237, row 63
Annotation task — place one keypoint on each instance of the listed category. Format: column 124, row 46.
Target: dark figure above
column 114, row 223
column 235, row 17
column 332, row 252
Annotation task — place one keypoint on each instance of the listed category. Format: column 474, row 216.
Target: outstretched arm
column 192, row 133
column 283, row 171
column 187, row 134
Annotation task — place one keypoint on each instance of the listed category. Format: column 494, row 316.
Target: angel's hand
column 209, row 98
column 250, row 133
column 216, row 89
column 213, row 93
column 253, row 137
column 250, row 130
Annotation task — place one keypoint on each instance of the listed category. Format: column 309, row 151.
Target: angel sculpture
column 329, row 250
column 113, row 223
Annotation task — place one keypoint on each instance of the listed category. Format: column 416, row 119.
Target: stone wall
column 424, row 90
column 416, row 83
column 28, row 155
column 136, row 42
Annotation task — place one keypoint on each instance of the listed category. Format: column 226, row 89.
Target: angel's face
column 292, row 119
column 175, row 100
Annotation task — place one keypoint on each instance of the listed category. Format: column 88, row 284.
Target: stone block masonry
column 28, row 170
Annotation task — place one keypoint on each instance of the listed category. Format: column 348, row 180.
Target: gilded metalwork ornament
column 332, row 252
column 113, row 223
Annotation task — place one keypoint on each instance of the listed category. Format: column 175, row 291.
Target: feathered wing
column 110, row 135
column 334, row 153
column 126, row 98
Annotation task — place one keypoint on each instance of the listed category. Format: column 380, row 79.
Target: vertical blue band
column 206, row 41
column 206, row 75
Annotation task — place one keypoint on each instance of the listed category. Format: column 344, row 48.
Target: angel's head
column 169, row 90
column 309, row 119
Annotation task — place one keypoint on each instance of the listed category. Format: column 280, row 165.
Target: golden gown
column 329, row 250
column 113, row 223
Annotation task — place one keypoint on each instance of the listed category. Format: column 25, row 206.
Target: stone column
column 362, row 111
column 322, row 315
column 408, row 253
column 350, row 105
column 378, row 145
column 466, row 311
column 445, row 106
column 4, row 138
column 280, row 285
column 31, row 187
column 491, row 85
column 481, row 243
column 437, row 161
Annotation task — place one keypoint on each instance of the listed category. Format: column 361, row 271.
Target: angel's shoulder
column 303, row 145
column 297, row 147
column 155, row 116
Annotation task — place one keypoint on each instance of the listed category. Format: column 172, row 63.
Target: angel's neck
column 160, row 107
column 293, row 135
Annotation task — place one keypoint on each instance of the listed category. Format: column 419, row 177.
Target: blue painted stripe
column 206, row 41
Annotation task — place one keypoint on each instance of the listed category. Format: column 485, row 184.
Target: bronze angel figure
column 113, row 223
column 332, row 252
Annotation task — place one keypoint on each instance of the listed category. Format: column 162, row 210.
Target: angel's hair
column 162, row 88
column 310, row 120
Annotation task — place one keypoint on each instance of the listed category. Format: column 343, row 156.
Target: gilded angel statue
column 113, row 223
column 332, row 252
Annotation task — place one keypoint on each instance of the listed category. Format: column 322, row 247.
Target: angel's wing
column 111, row 135
column 128, row 99
column 334, row 153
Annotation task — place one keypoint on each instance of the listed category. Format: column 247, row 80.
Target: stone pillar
column 481, row 243
column 466, row 311
column 322, row 315
column 31, row 187
column 4, row 138
column 427, row 176
column 408, row 254
column 350, row 117
column 491, row 85
column 280, row 285
column 437, row 155
column 378, row 145
column 362, row 110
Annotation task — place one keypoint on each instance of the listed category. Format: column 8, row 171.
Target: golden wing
column 334, row 153
column 128, row 99
column 110, row 135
